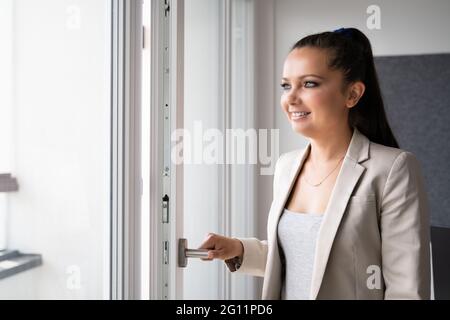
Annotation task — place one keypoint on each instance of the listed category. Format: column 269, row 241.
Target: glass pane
column 55, row 140
column 218, row 123
column 201, row 113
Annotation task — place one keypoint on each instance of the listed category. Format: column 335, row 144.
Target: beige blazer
column 374, row 239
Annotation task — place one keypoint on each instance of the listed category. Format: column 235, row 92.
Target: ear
column 354, row 93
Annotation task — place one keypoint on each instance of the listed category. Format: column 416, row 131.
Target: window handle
column 184, row 253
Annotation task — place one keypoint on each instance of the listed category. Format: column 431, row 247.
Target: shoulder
column 381, row 151
column 389, row 154
column 288, row 158
column 283, row 167
column 286, row 161
column 388, row 158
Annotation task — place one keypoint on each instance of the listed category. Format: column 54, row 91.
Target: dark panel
column 440, row 240
column 416, row 90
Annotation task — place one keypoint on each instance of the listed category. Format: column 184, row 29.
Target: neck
column 330, row 147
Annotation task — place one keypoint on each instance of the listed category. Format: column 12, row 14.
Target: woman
column 349, row 216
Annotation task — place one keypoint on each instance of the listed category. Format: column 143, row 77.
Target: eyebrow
column 306, row 75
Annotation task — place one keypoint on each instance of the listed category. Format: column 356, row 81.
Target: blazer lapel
column 346, row 180
column 287, row 182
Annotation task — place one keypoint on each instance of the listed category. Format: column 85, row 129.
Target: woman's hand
column 221, row 247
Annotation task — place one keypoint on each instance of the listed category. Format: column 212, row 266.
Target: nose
column 293, row 97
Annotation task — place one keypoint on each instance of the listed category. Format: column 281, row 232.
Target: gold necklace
column 318, row 184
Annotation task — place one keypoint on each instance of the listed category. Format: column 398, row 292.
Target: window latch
column 165, row 209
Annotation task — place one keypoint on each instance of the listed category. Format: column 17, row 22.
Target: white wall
column 58, row 145
column 407, row 27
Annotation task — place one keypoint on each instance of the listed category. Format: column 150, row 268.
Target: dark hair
column 351, row 52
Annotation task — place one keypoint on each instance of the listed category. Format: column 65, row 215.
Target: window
column 55, row 139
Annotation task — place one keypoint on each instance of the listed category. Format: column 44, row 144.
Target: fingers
column 218, row 247
column 215, row 254
column 212, row 254
column 206, row 259
column 209, row 242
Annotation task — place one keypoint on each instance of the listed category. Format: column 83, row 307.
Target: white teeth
column 299, row 114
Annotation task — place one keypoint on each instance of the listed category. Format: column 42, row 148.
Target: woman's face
column 310, row 86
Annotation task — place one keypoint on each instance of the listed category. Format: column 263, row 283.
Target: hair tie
column 345, row 32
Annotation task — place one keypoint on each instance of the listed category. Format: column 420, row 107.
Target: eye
column 310, row 84
column 285, row 86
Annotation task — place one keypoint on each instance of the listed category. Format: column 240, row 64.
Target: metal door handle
column 184, row 253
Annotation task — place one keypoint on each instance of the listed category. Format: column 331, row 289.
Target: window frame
column 126, row 46
column 166, row 281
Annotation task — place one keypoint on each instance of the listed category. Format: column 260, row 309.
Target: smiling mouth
column 299, row 115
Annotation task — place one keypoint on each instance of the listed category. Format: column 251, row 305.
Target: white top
column 297, row 234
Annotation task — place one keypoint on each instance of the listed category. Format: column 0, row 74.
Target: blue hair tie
column 345, row 32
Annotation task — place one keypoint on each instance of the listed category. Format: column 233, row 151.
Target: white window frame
column 166, row 112
column 166, row 281
column 125, row 149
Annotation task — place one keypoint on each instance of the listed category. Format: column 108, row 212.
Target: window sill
column 14, row 262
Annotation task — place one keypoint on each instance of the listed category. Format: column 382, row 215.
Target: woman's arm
column 405, row 231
